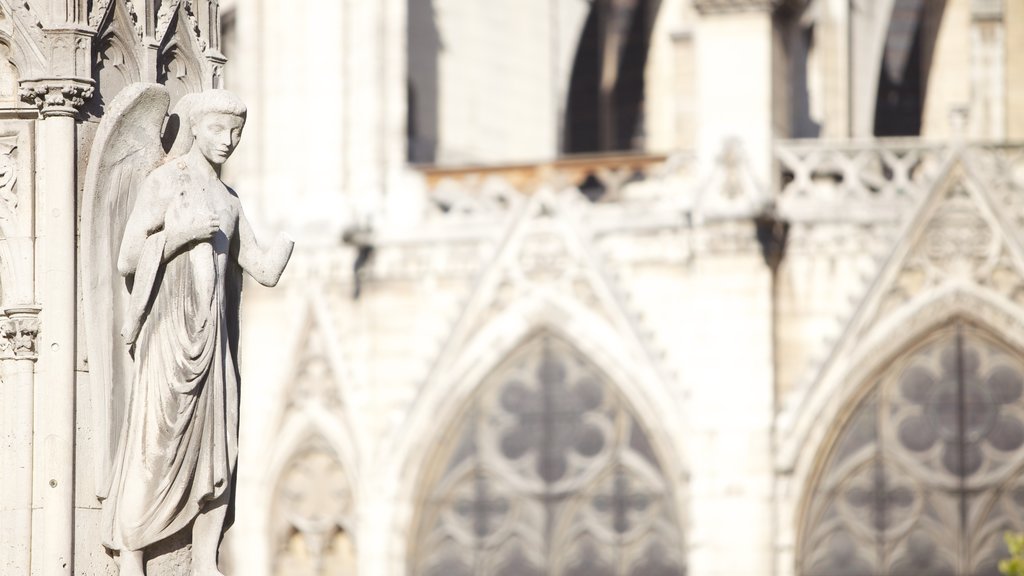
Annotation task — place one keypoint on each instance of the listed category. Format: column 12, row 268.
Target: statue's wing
column 177, row 136
column 126, row 149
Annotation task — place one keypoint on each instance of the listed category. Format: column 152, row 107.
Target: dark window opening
column 903, row 76
column 605, row 104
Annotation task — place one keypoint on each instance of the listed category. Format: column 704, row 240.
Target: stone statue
column 164, row 245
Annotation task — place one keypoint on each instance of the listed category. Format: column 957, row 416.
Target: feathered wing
column 126, row 149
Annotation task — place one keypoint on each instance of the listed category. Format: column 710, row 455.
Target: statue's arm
column 146, row 218
column 264, row 265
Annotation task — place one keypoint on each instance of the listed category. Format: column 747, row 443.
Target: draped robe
column 179, row 443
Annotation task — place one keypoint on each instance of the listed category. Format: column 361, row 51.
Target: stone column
column 53, row 524
column 1013, row 19
column 735, row 60
column 731, row 405
column 18, row 330
column 988, row 70
column 731, row 408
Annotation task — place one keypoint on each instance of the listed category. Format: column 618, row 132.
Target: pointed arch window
column 548, row 472
column 312, row 515
column 928, row 471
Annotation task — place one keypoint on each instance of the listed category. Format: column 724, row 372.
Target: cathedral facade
column 581, row 287
column 679, row 287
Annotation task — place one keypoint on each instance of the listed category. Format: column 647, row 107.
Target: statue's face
column 217, row 134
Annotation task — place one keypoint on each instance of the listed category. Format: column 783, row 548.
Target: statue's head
column 216, row 122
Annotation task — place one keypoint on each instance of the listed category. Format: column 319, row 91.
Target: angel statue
column 164, row 242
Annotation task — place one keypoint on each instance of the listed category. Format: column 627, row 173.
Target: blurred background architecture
column 633, row 287
column 582, row 287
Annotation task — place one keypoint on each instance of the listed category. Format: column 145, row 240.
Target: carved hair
column 216, row 102
column 193, row 107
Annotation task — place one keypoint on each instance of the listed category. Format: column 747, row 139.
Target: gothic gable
column 316, row 382
column 954, row 258
column 116, row 52
column 180, row 64
column 956, row 239
column 545, row 256
column 21, row 30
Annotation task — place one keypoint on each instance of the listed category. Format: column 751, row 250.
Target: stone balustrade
column 597, row 175
column 849, row 179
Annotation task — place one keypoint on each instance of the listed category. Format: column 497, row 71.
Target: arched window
column 906, row 63
column 605, row 104
column 928, row 471
column 312, row 511
column 547, row 472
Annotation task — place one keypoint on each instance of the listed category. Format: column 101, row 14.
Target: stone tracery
column 919, row 478
column 549, row 473
column 313, row 515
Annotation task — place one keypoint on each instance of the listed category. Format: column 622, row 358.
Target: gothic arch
column 314, row 386
column 923, row 468
column 298, row 428
column 23, row 30
column 885, row 37
column 888, row 315
column 804, row 430
column 115, row 60
column 180, row 64
column 311, row 506
column 807, row 434
column 312, row 411
column 448, row 395
column 545, row 455
column 301, row 429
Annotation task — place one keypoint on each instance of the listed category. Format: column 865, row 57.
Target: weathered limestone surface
column 410, row 287
column 168, row 391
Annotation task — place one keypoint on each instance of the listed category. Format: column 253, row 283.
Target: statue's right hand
column 204, row 225
column 196, row 226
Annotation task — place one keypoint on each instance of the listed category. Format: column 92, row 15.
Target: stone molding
column 57, row 96
column 19, row 333
column 99, row 13
column 735, row 6
column 166, row 15
column 9, row 174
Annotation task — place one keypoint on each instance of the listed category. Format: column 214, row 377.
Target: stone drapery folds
column 163, row 338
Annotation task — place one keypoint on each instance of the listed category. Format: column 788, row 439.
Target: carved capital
column 57, row 96
column 19, row 333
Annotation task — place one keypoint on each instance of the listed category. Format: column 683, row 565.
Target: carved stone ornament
column 941, row 431
column 166, row 15
column 58, row 96
column 19, row 331
column 99, row 11
column 8, row 177
column 183, row 242
column 515, row 483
